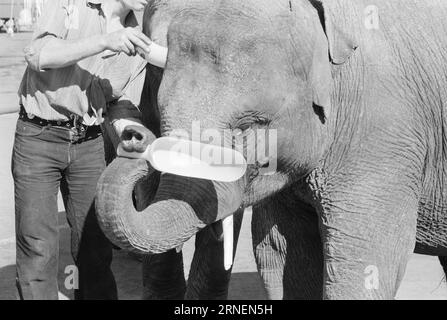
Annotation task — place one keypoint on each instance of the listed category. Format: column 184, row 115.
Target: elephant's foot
column 163, row 277
column 287, row 248
column 208, row 279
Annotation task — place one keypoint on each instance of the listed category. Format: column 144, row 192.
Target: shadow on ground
column 424, row 278
column 7, row 276
column 244, row 286
column 127, row 271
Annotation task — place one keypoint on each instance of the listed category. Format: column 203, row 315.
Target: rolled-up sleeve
column 52, row 24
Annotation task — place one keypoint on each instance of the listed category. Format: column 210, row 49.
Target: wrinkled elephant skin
column 354, row 92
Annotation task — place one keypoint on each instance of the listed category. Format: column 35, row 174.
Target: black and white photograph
column 238, row 151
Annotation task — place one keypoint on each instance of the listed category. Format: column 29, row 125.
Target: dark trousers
column 44, row 160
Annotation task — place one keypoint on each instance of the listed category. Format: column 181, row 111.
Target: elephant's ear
column 331, row 46
column 320, row 74
column 341, row 46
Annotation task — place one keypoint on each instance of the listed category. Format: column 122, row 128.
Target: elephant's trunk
column 182, row 206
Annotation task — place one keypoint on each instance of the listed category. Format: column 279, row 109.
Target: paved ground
column 423, row 280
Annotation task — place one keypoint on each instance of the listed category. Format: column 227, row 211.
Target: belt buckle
column 73, row 126
column 78, row 127
column 74, row 121
column 83, row 131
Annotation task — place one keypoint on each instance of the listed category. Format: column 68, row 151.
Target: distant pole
column 10, row 23
column 12, row 10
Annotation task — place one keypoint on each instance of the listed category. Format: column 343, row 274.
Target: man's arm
column 58, row 53
column 124, row 111
column 51, row 50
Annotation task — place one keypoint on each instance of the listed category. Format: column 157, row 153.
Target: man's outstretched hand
column 126, row 40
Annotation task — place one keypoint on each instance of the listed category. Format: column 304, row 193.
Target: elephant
column 163, row 274
column 350, row 96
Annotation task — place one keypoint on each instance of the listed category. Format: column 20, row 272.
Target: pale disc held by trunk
column 192, row 159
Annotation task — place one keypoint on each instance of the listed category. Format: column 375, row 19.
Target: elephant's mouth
column 258, row 143
column 180, row 207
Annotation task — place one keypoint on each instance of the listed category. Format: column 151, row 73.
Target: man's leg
column 35, row 163
column 91, row 250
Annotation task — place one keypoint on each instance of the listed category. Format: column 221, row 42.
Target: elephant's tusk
column 179, row 248
column 227, row 225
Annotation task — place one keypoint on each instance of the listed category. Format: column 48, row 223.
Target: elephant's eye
column 192, row 50
column 189, row 48
column 250, row 118
column 213, row 54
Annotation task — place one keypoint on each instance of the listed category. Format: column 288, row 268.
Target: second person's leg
column 91, row 250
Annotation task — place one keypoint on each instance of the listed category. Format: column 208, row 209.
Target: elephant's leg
column 208, row 279
column 287, row 248
column 368, row 228
column 163, row 277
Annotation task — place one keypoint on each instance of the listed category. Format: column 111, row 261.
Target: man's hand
column 126, row 40
column 52, row 53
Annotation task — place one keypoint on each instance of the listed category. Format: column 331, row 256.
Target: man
column 59, row 144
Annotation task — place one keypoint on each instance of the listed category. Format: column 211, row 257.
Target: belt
column 82, row 131
column 74, row 122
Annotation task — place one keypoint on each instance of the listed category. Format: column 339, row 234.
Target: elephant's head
column 254, row 70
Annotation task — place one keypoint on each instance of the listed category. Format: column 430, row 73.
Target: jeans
column 44, row 160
